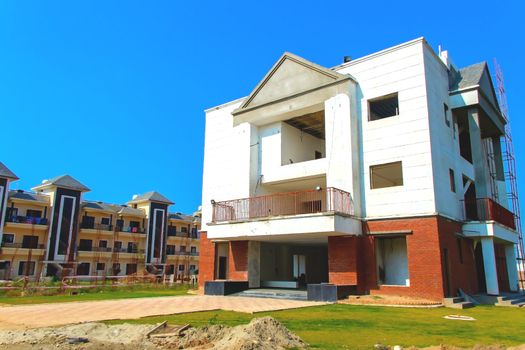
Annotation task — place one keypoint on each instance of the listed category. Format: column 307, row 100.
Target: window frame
column 380, row 98
column 371, row 174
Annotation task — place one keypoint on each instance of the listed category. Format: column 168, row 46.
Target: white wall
column 401, row 138
column 298, row 146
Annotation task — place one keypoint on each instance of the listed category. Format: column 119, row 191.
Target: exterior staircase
column 290, row 294
column 457, row 303
column 511, row 300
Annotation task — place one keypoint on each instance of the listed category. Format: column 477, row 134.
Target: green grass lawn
column 360, row 327
column 105, row 293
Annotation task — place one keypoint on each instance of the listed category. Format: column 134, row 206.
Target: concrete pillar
column 478, row 154
column 489, row 263
column 512, row 267
column 254, row 264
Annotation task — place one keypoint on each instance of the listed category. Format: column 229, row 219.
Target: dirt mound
column 260, row 333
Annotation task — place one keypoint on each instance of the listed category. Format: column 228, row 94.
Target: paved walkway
column 45, row 315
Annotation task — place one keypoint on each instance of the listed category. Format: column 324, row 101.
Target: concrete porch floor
column 274, row 293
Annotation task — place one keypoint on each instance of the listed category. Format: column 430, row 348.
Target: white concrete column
column 478, row 155
column 342, row 146
column 489, row 263
column 512, row 267
column 254, row 264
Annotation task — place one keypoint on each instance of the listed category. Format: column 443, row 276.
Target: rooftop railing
column 486, row 209
column 321, row 200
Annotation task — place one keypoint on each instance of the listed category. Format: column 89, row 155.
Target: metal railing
column 289, row 203
column 94, row 249
column 22, row 245
column 486, row 209
column 127, row 250
column 130, row 229
column 102, row 227
column 172, row 232
column 26, row 220
column 183, row 253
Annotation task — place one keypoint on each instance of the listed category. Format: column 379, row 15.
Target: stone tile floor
column 56, row 314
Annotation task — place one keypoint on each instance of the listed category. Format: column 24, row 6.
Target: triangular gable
column 289, row 76
column 487, row 87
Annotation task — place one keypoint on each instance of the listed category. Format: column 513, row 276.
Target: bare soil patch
column 260, row 333
column 390, row 300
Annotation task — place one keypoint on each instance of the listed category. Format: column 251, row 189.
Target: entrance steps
column 290, row 294
column 511, row 300
column 457, row 303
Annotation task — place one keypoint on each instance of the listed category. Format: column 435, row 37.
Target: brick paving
column 56, row 314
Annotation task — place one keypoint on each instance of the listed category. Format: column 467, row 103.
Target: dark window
column 193, row 249
column 120, row 224
column 452, row 180
column 131, row 269
column 134, row 224
column 26, row 268
column 445, row 112
column 85, row 245
column 181, row 267
column 101, row 266
column 460, row 250
column 8, row 238
column 184, row 229
column 118, row 245
column 12, row 212
column 88, row 221
column 103, row 244
column 105, row 221
column 30, row 242
column 318, row 155
column 383, row 107
column 132, row 247
column 170, row 249
column 386, row 175
column 192, row 267
column 182, row 248
column 116, row 268
column 34, row 213
column 170, row 269
column 83, row 269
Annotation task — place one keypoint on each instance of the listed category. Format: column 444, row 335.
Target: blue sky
column 113, row 92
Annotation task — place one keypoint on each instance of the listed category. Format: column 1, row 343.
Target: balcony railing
column 290, row 203
column 94, row 249
column 102, row 227
column 22, row 245
column 172, row 232
column 26, row 220
column 127, row 250
column 130, row 229
column 183, row 253
column 486, row 209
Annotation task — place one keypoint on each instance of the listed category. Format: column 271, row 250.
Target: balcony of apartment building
column 317, row 212
column 172, row 252
column 29, row 244
column 132, row 226
column 87, row 249
column 182, row 232
column 24, row 216
column 96, row 225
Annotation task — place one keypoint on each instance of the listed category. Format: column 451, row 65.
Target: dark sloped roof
column 28, row 196
column 5, row 172
column 151, row 196
column 180, row 216
column 467, row 76
column 131, row 211
column 64, row 181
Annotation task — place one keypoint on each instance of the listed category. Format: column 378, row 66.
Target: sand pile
column 260, row 333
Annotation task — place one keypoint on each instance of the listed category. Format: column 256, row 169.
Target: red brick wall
column 424, row 257
column 461, row 274
column 206, row 260
column 238, row 261
column 342, row 260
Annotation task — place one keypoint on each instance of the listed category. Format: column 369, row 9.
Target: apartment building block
column 53, row 231
column 382, row 175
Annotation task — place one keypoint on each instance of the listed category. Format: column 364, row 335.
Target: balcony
column 319, row 212
column 129, row 229
column 97, row 227
column 172, row 232
column 22, row 245
column 127, row 250
column 486, row 209
column 280, row 204
column 27, row 222
column 183, row 253
column 94, row 249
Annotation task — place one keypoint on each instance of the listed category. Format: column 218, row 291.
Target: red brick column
column 342, row 260
column 206, row 260
column 238, row 261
